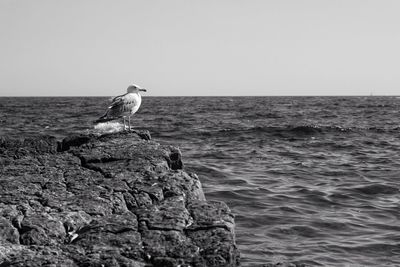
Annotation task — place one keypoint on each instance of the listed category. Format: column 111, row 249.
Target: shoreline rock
column 111, row 200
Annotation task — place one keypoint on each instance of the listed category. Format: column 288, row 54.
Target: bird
column 124, row 106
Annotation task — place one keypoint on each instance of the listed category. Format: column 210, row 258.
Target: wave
column 378, row 248
column 374, row 189
column 279, row 131
column 302, row 130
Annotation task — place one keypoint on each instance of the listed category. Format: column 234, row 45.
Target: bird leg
column 129, row 122
column 124, row 124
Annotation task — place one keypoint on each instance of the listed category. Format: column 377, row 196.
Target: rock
column 8, row 233
column 110, row 200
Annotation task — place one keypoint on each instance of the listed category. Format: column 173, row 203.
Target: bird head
column 135, row 89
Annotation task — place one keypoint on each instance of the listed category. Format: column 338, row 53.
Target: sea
column 312, row 181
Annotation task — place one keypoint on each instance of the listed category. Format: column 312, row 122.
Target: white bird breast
column 136, row 100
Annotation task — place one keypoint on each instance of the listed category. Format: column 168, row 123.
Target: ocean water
column 313, row 181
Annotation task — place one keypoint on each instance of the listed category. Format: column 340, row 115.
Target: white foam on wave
column 108, row 127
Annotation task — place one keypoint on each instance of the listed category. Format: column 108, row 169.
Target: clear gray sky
column 203, row 47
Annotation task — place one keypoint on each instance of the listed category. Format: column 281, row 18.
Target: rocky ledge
column 109, row 200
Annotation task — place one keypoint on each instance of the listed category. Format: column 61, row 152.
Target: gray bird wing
column 120, row 105
column 117, row 98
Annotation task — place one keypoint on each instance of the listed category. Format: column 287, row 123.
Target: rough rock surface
column 110, row 200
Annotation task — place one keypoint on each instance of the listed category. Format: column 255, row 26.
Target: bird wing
column 120, row 105
column 117, row 98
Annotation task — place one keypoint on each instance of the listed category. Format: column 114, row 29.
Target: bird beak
column 144, row 90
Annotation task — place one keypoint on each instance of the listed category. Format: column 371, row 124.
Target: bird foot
column 129, row 129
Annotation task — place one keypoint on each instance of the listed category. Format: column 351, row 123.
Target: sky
column 199, row 48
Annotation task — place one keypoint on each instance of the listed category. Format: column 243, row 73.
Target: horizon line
column 217, row 96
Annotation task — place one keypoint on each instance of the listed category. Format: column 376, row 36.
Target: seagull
column 124, row 105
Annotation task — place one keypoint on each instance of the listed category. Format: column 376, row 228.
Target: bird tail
column 103, row 118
